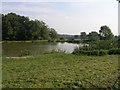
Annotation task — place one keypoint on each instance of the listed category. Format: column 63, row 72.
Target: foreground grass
column 61, row 70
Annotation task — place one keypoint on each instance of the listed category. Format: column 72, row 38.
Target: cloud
column 67, row 17
column 23, row 8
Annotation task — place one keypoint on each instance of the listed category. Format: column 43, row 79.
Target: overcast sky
column 70, row 17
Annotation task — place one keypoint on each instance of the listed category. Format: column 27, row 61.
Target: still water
column 14, row 49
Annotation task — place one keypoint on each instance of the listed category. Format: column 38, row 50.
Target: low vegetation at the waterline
column 98, row 48
column 60, row 70
column 114, row 51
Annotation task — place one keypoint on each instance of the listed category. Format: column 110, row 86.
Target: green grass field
column 60, row 70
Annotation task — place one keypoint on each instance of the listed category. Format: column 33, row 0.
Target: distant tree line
column 16, row 27
column 105, row 33
column 99, row 44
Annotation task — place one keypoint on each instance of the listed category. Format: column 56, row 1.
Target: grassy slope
column 60, row 70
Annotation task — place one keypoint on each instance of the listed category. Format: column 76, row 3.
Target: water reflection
column 13, row 49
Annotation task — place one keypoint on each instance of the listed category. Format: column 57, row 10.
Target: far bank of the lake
column 24, row 41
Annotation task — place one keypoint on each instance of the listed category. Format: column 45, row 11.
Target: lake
column 36, row 48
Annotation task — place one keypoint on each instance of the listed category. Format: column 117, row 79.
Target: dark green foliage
column 93, row 36
column 105, row 33
column 53, row 34
column 90, row 52
column 71, row 40
column 16, row 27
column 103, row 44
column 118, row 37
column 114, row 51
column 78, row 51
column 61, row 39
column 103, row 52
column 98, row 48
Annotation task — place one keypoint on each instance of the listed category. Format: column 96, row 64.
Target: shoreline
column 24, row 57
column 24, row 41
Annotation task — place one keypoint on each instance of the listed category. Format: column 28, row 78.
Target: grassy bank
column 24, row 41
column 61, row 70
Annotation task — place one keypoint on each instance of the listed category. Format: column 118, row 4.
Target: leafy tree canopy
column 105, row 33
column 16, row 27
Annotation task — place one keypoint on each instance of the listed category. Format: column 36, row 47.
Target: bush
column 78, row 51
column 94, row 52
column 114, row 51
column 103, row 44
column 103, row 52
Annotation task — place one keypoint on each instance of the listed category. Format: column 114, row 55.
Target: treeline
column 98, row 44
column 105, row 33
column 16, row 27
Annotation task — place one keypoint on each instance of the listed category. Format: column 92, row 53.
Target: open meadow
column 60, row 70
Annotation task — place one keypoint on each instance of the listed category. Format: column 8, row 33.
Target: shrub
column 114, row 51
column 78, row 51
column 103, row 52
column 96, row 52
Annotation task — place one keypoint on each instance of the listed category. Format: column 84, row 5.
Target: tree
column 9, row 26
column 44, row 31
column 53, row 34
column 16, row 27
column 105, row 33
column 23, row 28
column 93, row 36
column 83, row 35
